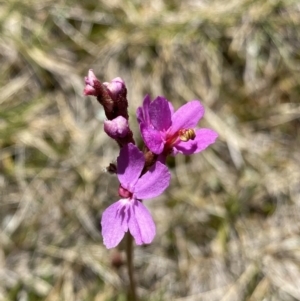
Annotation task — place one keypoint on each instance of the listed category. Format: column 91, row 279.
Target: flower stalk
column 131, row 295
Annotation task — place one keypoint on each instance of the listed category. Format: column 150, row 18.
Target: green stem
column 129, row 254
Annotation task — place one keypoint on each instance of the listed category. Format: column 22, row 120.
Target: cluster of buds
column 144, row 174
column 113, row 97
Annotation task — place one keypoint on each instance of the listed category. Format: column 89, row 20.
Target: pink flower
column 129, row 213
column 169, row 132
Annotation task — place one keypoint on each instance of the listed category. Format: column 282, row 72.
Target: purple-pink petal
column 160, row 113
column 153, row 182
column 140, row 224
column 152, row 139
column 204, row 138
column 114, row 224
column 172, row 110
column 142, row 113
column 187, row 116
column 130, row 164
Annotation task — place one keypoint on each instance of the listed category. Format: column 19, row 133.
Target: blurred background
column 228, row 226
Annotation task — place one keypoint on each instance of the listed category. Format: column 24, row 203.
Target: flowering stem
column 129, row 254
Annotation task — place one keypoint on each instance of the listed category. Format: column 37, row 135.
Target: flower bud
column 116, row 88
column 116, row 128
column 91, row 82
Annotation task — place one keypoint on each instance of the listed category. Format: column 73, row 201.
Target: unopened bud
column 91, row 82
column 111, row 168
column 116, row 128
column 116, row 88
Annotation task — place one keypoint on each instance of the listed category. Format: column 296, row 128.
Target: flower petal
column 204, row 138
column 130, row 164
column 152, row 139
column 142, row 113
column 187, row 116
column 172, row 110
column 153, row 182
column 141, row 225
column 160, row 113
column 114, row 224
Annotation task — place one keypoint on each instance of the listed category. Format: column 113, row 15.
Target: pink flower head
column 169, row 132
column 129, row 213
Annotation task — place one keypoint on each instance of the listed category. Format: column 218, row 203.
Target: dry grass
column 228, row 226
